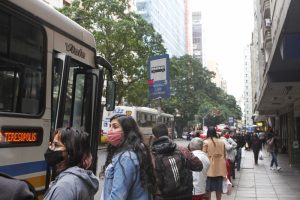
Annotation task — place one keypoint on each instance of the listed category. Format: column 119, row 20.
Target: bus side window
column 142, row 119
column 22, row 69
column 4, row 26
column 148, row 120
column 9, row 90
column 153, row 120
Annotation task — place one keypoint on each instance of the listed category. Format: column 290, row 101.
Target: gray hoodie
column 73, row 184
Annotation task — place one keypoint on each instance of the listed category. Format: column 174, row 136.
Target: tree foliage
column 127, row 41
column 124, row 38
column 194, row 96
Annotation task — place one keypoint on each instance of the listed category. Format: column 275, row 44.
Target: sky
column 227, row 26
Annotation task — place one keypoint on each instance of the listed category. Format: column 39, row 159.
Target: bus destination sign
column 11, row 136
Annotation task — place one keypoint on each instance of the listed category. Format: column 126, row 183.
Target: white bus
column 50, row 78
column 145, row 117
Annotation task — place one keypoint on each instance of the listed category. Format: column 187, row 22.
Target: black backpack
column 30, row 187
column 173, row 175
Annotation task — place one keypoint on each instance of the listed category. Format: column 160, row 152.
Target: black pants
column 255, row 152
column 233, row 169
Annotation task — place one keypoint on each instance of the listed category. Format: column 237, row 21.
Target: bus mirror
column 110, row 95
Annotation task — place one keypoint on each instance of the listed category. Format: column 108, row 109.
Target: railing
column 266, row 8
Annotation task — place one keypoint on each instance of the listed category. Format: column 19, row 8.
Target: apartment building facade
column 220, row 82
column 247, row 112
column 197, row 35
column 277, row 90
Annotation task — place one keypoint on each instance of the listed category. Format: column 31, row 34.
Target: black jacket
column 164, row 145
column 13, row 189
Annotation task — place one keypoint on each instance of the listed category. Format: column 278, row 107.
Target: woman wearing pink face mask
column 128, row 169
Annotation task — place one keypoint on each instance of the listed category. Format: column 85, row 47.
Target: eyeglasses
column 55, row 145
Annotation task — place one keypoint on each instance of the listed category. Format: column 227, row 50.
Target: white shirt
column 199, row 178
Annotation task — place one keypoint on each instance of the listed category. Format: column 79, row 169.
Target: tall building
column 256, row 60
column 188, row 28
column 58, row 3
column 276, row 49
column 197, row 35
column 218, row 79
column 168, row 19
column 240, row 102
column 247, row 112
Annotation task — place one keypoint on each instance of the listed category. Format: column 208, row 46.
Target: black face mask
column 53, row 157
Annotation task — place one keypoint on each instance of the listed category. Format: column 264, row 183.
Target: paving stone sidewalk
column 261, row 183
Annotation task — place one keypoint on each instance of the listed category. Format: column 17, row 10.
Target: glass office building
column 167, row 17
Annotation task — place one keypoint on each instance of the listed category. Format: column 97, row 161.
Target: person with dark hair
column 167, row 155
column 14, row 189
column 240, row 140
column 256, row 146
column 248, row 140
column 70, row 155
column 128, row 168
column 272, row 149
column 215, row 149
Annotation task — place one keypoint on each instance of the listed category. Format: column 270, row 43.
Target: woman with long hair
column 69, row 153
column 128, row 167
column 215, row 149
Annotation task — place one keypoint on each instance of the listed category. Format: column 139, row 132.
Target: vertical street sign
column 230, row 121
column 158, row 76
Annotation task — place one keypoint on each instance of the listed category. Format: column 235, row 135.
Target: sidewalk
column 259, row 182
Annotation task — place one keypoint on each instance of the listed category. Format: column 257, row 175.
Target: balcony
column 267, row 40
column 281, row 71
column 265, row 8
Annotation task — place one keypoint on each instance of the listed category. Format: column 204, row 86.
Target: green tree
column 124, row 38
column 188, row 82
column 127, row 41
column 194, row 96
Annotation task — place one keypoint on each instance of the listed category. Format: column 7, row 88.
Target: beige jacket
column 216, row 156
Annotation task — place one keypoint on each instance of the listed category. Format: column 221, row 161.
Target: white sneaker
column 278, row 168
column 272, row 168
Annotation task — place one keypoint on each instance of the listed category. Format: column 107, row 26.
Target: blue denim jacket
column 122, row 178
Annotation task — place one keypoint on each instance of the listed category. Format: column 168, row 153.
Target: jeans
column 274, row 159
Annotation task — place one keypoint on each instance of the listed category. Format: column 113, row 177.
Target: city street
column 259, row 182
column 76, row 66
column 253, row 182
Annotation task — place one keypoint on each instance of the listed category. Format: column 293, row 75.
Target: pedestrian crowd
column 133, row 170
